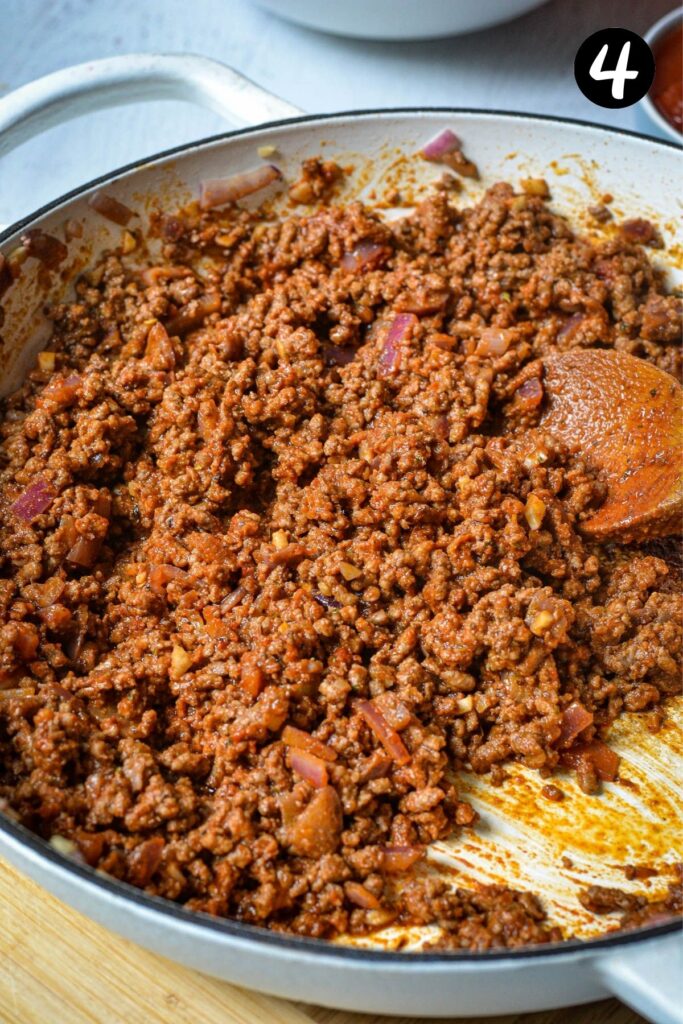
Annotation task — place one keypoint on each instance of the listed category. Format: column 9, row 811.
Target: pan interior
column 527, row 841
column 522, row 839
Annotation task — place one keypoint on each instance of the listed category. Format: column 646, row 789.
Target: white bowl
column 650, row 118
column 398, row 19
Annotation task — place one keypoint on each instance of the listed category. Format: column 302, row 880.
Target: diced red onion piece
column 193, row 314
column 530, row 393
column 84, row 551
column 390, row 356
column 302, row 740
column 377, row 766
column 103, row 505
column 570, row 324
column 335, row 355
column 388, row 737
column 364, row 255
column 161, row 575
column 144, row 860
column 46, row 248
column 493, row 341
column 37, row 497
column 110, row 208
column 74, row 645
column 398, row 859
column 218, row 191
column 309, row 767
column 326, row 602
column 290, row 554
column 575, row 719
column 233, row 599
column 361, row 896
column 61, row 391
column 445, row 142
column 159, row 351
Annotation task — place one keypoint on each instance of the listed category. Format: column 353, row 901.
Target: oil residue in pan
column 557, row 849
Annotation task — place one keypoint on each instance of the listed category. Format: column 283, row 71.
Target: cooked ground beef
column 634, row 910
column 283, row 549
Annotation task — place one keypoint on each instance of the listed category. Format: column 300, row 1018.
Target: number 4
column 620, row 73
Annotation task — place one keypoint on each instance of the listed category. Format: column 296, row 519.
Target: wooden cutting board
column 57, row 967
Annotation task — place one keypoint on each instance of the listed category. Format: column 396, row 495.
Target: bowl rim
column 654, row 35
column 38, row 850
column 301, row 20
column 196, row 923
column 9, row 230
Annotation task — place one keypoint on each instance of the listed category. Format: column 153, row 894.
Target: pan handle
column 116, row 81
column 648, row 976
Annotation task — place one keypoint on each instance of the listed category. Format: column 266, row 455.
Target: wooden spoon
column 626, row 417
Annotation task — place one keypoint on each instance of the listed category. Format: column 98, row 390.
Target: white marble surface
column 525, row 65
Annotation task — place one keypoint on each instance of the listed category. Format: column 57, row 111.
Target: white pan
column 523, row 838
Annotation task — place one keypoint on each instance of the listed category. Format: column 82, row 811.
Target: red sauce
column 667, row 88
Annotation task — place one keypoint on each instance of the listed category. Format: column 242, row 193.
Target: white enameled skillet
column 581, row 161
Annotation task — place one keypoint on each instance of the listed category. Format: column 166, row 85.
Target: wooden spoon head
column 625, row 416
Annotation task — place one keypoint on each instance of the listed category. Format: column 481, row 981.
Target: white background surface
column 525, row 65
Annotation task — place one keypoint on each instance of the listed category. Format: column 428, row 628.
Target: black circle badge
column 614, row 67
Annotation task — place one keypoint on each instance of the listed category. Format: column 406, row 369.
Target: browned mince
column 634, row 910
column 298, row 566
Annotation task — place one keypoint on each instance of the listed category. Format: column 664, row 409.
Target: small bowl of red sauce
column 663, row 104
